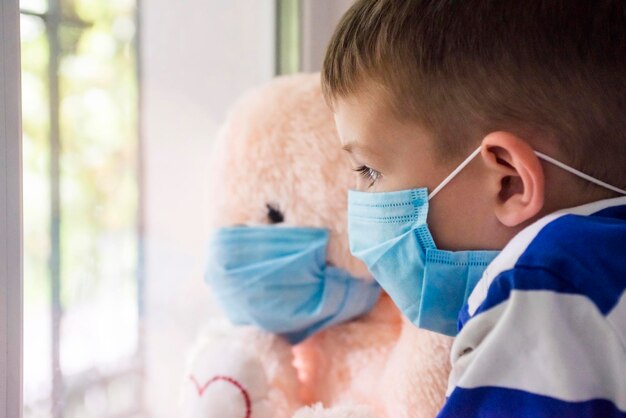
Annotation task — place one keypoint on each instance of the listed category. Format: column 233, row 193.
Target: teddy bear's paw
column 233, row 374
column 342, row 411
column 226, row 381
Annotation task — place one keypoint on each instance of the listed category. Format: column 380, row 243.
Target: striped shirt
column 543, row 334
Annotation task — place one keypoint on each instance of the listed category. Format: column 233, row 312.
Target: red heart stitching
column 234, row 382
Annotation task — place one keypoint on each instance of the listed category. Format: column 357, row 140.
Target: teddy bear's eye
column 274, row 214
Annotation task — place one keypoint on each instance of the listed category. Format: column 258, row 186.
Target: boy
column 537, row 89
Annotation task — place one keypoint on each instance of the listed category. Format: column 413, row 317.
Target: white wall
column 198, row 56
column 319, row 18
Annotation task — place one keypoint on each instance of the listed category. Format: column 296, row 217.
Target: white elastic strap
column 538, row 154
column 580, row 173
column 454, row 173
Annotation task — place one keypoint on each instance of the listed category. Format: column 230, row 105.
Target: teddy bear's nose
column 274, row 214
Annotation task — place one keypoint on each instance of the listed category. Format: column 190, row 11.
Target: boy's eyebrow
column 353, row 145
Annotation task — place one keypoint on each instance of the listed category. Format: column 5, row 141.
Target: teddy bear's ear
column 274, row 215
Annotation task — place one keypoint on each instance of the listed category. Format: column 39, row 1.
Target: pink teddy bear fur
column 279, row 147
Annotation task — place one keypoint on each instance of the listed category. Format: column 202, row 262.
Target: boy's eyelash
column 368, row 173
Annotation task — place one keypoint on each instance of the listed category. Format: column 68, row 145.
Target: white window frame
column 10, row 213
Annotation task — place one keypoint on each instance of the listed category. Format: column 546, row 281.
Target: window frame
column 288, row 34
column 11, row 213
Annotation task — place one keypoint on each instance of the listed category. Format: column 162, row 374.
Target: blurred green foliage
column 99, row 189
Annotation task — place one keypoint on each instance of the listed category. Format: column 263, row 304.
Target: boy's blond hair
column 547, row 70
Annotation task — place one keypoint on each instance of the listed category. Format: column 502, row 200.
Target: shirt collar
column 515, row 248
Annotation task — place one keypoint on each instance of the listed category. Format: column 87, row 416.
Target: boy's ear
column 517, row 176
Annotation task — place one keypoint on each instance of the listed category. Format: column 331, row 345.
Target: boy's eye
column 369, row 174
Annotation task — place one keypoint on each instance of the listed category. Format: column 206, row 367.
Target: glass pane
column 98, row 119
column 34, row 6
column 36, row 150
column 99, row 200
column 99, row 339
column 96, row 10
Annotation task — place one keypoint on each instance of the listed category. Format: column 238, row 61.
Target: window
column 82, row 271
column 113, row 227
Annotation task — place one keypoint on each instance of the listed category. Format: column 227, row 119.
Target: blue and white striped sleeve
column 535, row 347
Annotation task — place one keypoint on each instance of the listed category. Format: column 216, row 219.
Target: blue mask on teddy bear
column 277, row 279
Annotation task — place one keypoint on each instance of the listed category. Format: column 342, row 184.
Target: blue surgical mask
column 277, row 279
column 389, row 233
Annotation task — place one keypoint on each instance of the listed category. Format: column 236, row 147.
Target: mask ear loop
column 538, row 154
column 580, row 173
column 452, row 175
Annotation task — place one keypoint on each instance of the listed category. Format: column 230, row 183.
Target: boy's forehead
column 359, row 117
column 364, row 136
column 358, row 114
column 356, row 126
column 367, row 97
column 374, row 135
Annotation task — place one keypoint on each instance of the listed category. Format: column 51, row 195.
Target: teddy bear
column 277, row 163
